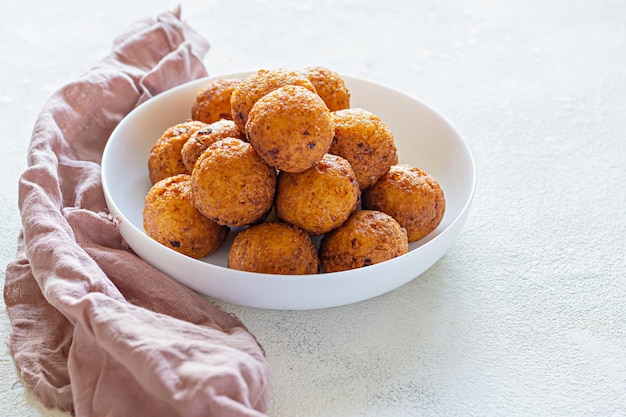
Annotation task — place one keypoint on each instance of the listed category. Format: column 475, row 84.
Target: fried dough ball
column 170, row 218
column 366, row 141
column 165, row 157
column 274, row 248
column 255, row 86
column 290, row 128
column 231, row 184
column 366, row 238
column 201, row 139
column 411, row 196
column 320, row 198
column 212, row 101
column 330, row 87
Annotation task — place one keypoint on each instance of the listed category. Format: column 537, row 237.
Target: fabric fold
column 95, row 329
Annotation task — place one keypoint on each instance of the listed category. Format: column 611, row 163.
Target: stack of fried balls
column 280, row 158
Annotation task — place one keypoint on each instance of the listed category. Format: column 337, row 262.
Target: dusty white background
column 524, row 315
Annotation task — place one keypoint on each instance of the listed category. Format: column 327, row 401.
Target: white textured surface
column 525, row 315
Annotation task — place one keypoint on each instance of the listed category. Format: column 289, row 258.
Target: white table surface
column 525, row 315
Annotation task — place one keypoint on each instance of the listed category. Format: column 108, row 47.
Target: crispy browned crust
column 273, row 248
column 165, row 158
column 203, row 138
column 366, row 141
column 212, row 101
column 170, row 218
column 330, row 87
column 411, row 196
column 320, row 198
column 366, row 238
column 259, row 84
column 290, row 128
column 231, row 184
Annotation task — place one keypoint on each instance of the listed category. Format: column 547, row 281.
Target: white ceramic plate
column 424, row 139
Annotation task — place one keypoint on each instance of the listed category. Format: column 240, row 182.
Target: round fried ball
column 290, row 128
column 366, row 238
column 411, row 196
column 165, row 156
column 320, row 198
column 231, row 184
column 212, row 101
column 366, row 141
column 273, row 248
column 170, row 218
column 255, row 86
column 201, row 139
column 330, row 87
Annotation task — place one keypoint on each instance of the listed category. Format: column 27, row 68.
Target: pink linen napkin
column 95, row 330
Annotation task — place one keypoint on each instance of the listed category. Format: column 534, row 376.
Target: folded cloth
column 95, row 330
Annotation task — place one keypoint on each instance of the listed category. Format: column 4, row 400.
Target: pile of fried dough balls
column 281, row 157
